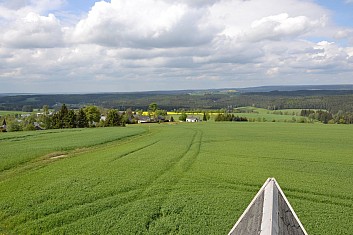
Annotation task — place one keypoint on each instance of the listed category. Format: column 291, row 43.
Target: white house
column 192, row 119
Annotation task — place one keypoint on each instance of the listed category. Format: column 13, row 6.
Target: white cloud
column 45, row 6
column 165, row 44
column 33, row 31
column 144, row 23
column 13, row 4
column 238, row 15
column 272, row 71
column 279, row 26
column 40, row 6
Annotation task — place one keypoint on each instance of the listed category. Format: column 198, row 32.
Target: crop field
column 258, row 114
column 270, row 115
column 185, row 178
column 21, row 147
column 3, row 113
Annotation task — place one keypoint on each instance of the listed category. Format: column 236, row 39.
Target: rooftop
column 269, row 213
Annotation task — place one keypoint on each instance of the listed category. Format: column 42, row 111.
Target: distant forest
column 333, row 101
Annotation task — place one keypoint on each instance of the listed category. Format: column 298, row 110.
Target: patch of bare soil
column 56, row 155
column 60, row 156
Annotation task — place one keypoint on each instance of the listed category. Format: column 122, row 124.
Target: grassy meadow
column 184, row 178
column 257, row 114
column 4, row 113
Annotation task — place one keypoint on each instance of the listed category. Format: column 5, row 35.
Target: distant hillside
column 296, row 88
column 208, row 91
column 333, row 98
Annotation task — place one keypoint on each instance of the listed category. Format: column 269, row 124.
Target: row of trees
column 205, row 117
column 89, row 116
column 86, row 117
column 327, row 117
column 230, row 118
column 332, row 101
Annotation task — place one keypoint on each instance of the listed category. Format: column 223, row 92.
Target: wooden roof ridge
column 269, row 213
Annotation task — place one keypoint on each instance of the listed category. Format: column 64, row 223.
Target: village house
column 143, row 119
column 25, row 115
column 192, row 119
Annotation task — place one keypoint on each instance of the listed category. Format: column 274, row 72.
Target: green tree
column 46, row 120
column 153, row 107
column 45, row 109
column 71, row 120
column 63, row 116
column 28, row 123
column 113, row 118
column 139, row 111
column 60, row 119
column 161, row 112
column 204, row 117
column 183, row 117
column 81, row 119
column 128, row 116
column 55, row 121
column 208, row 116
column 14, row 126
column 93, row 114
column 27, row 108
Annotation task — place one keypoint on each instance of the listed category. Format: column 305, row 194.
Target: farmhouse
column 160, row 118
column 192, row 119
column 269, row 213
column 143, row 119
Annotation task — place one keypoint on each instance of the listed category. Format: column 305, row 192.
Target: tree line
column 332, row 101
column 230, row 118
column 90, row 116
column 327, row 117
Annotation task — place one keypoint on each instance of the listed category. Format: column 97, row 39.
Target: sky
column 85, row 46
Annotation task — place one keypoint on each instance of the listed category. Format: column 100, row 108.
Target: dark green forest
column 330, row 100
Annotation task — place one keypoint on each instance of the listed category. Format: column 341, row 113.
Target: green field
column 270, row 115
column 187, row 178
column 258, row 114
column 4, row 113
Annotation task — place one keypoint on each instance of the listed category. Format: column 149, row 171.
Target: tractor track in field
column 327, row 200
column 145, row 192
column 43, row 160
column 305, row 160
column 332, row 199
column 134, row 151
column 338, row 200
column 194, row 156
column 316, row 197
column 139, row 194
column 182, row 167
